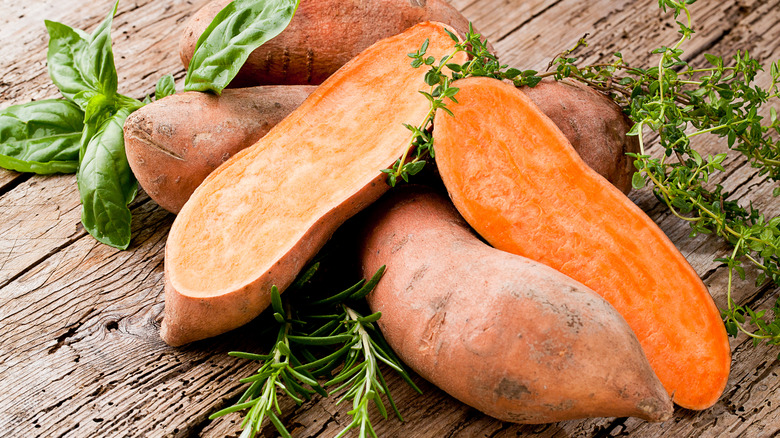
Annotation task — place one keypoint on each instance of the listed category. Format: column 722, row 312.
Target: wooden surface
column 80, row 354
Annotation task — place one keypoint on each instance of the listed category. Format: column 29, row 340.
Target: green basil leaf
column 96, row 61
column 82, row 98
column 165, row 87
column 106, row 183
column 41, row 137
column 66, row 46
column 237, row 30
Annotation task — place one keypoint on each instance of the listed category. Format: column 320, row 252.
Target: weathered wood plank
column 83, row 357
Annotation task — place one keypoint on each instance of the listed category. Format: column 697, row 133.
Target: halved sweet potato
column 516, row 179
column 257, row 219
column 593, row 124
column 506, row 335
column 174, row 143
column 322, row 36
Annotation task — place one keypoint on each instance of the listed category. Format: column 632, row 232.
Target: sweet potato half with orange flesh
column 258, row 218
column 593, row 124
column 506, row 335
column 514, row 177
column 322, row 36
column 174, row 143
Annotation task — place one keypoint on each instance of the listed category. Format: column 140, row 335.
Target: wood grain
column 81, row 357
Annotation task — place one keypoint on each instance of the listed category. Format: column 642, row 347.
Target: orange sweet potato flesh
column 514, row 177
column 322, row 36
column 506, row 335
column 594, row 125
column 174, row 143
column 258, row 218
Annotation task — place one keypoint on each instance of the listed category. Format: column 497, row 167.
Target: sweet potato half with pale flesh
column 322, row 36
column 174, row 143
column 516, row 179
column 506, row 335
column 261, row 216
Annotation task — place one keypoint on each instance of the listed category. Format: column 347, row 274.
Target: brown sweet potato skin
column 322, row 36
column 508, row 336
column 593, row 124
column 174, row 143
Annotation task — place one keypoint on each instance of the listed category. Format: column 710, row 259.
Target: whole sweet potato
column 593, row 124
column 322, row 36
column 506, row 335
column 174, row 143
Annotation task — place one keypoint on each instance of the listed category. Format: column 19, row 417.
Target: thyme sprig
column 481, row 62
column 678, row 102
column 316, row 336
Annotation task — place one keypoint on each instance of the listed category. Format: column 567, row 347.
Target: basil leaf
column 106, row 183
column 165, row 87
column 66, row 46
column 237, row 30
column 41, row 137
column 96, row 61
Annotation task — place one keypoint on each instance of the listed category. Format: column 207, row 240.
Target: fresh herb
column 82, row 67
column 236, row 31
column 165, row 87
column 481, row 62
column 83, row 133
column 106, row 183
column 314, row 339
column 42, row 137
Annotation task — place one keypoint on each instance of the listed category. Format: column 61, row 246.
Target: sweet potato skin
column 260, row 217
column 538, row 199
column 594, row 125
column 322, row 36
column 174, row 143
column 511, row 337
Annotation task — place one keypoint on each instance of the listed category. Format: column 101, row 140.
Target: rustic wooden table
column 80, row 354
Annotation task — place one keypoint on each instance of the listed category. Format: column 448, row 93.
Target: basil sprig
column 165, row 87
column 82, row 67
column 41, row 137
column 236, row 31
column 106, row 183
column 82, row 134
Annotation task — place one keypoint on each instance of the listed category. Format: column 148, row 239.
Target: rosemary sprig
column 361, row 376
column 280, row 372
column 316, row 336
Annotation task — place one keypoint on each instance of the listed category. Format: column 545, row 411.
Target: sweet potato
column 322, row 36
column 516, row 179
column 508, row 336
column 258, row 218
column 174, row 143
column 593, row 124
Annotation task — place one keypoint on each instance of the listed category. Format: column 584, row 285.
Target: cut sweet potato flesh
column 515, row 178
column 260, row 217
